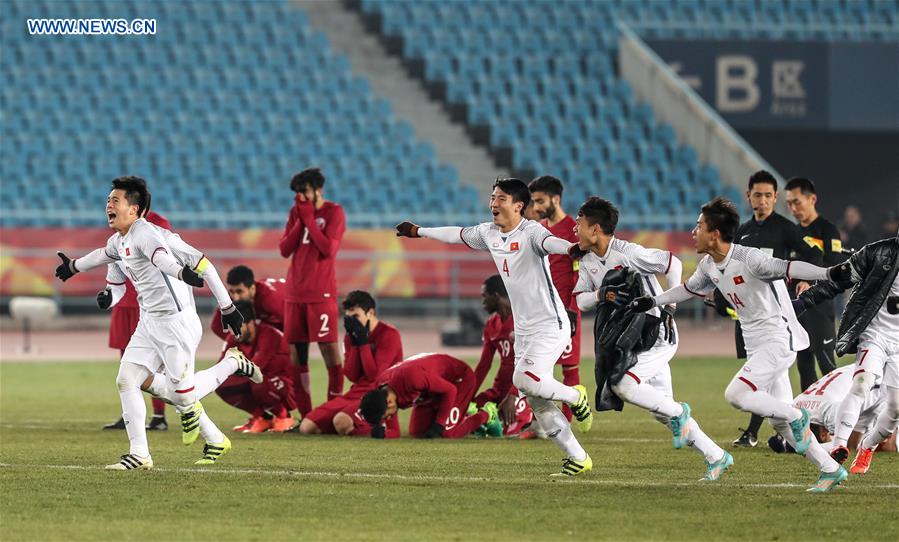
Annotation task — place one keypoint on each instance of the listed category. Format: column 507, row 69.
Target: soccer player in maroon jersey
column 499, row 337
column 439, row 389
column 270, row 402
column 311, row 238
column 122, row 323
column 546, row 196
column 371, row 346
column 267, row 297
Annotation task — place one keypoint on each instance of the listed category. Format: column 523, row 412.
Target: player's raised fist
column 642, row 304
column 104, row 299
column 189, row 276
column 576, row 252
column 232, row 319
column 407, row 229
column 66, row 269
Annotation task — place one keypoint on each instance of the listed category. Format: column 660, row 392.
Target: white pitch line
column 422, row 478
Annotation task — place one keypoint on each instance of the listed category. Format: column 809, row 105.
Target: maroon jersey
column 499, row 336
column 427, row 379
column 268, row 350
column 268, row 304
column 563, row 269
column 311, row 239
column 365, row 363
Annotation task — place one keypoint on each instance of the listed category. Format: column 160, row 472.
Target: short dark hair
column 600, row 211
column 311, row 177
column 495, row 285
column 762, row 176
column 721, row 214
column 246, row 308
column 240, row 274
column 548, row 184
column 373, row 405
column 359, row 298
column 135, row 192
column 806, row 186
column 515, row 188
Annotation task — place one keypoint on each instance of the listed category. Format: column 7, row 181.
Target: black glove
column 893, row 304
column 357, row 332
column 378, row 431
column 232, row 319
column 798, row 306
column 575, row 252
column 642, row 304
column 436, row 431
column 572, row 318
column 407, row 229
column 617, row 295
column 668, row 321
column 66, row 269
column 189, row 276
column 840, row 273
column 104, row 298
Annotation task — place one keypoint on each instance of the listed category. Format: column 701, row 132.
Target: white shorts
column 653, row 363
column 767, row 368
column 539, row 353
column 170, row 342
column 880, row 358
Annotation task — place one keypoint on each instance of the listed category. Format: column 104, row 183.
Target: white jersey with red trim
column 647, row 261
column 884, row 326
column 753, row 283
column 823, row 398
column 157, row 293
column 523, row 264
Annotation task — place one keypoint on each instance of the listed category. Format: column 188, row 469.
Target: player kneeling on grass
column 648, row 383
column 870, row 329
column 371, row 346
column 438, row 388
column 753, row 282
column 269, row 400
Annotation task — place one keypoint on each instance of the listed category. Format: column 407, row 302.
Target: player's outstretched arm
column 69, row 268
column 557, row 245
column 678, row 294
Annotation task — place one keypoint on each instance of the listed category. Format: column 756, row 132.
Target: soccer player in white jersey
column 753, row 284
column 648, row 383
column 169, row 329
column 542, row 330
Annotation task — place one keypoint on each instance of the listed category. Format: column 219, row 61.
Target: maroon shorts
column 311, row 322
column 425, row 415
column 122, row 323
column 323, row 417
column 571, row 357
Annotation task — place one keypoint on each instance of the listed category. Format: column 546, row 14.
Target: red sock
column 158, row 407
column 570, row 377
column 335, row 381
column 467, row 425
column 301, row 388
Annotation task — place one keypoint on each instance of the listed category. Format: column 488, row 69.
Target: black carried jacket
column 876, row 265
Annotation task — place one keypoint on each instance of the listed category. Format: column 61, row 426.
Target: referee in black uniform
column 776, row 236
column 819, row 320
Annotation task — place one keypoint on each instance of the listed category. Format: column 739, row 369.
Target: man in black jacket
column 870, row 330
column 776, row 236
column 820, row 233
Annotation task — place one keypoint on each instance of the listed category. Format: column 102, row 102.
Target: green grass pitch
column 278, row 487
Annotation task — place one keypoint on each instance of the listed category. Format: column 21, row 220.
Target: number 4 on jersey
column 506, row 266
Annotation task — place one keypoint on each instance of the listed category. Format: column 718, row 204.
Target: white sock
column 207, row 381
column 557, row 428
column 815, row 453
column 887, row 421
column 134, row 412
column 701, row 442
column 847, row 417
column 209, row 431
column 759, row 402
column 648, row 397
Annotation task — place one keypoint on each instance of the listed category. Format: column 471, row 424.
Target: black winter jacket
column 876, row 264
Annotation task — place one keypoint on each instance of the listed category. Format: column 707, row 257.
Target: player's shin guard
column 300, row 374
column 335, row 381
column 570, row 377
column 849, row 410
column 134, row 409
column 815, row 453
column 887, row 421
column 557, row 428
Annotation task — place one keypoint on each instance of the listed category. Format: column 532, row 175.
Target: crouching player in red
column 499, row 337
column 438, row 387
column 371, row 347
column 267, row 297
column 270, row 401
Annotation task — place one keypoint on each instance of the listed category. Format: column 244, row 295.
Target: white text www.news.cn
column 92, row 27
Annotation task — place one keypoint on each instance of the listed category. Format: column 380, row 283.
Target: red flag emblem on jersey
column 513, row 246
column 739, row 279
column 127, row 251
